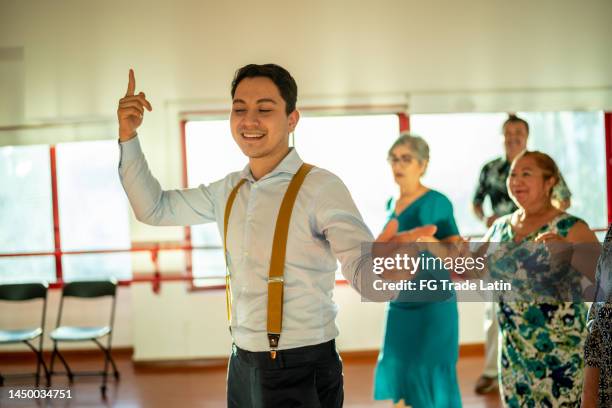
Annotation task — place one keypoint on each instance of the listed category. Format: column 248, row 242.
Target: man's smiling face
column 258, row 120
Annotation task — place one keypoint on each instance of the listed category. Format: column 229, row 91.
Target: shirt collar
column 290, row 164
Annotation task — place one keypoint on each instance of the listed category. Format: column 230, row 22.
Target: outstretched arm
column 350, row 240
column 150, row 203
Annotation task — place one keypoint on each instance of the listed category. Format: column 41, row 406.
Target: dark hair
column 280, row 76
column 512, row 118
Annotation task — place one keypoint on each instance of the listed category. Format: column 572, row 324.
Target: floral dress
column 542, row 339
column 598, row 347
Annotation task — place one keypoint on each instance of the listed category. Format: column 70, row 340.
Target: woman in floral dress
column 542, row 337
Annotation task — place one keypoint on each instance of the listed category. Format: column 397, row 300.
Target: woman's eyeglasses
column 404, row 160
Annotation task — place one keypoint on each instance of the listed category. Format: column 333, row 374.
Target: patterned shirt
column 598, row 347
column 492, row 183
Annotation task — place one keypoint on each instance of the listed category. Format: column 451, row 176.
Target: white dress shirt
column 325, row 226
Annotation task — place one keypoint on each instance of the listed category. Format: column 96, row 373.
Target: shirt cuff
column 129, row 151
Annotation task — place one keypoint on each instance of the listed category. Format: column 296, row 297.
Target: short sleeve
column 481, row 188
column 390, row 208
column 445, row 220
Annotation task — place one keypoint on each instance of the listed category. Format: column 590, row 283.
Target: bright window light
column 26, row 214
column 355, row 149
column 460, row 144
column 352, row 147
column 93, row 210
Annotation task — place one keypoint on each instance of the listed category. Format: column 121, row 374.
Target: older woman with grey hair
column 417, row 363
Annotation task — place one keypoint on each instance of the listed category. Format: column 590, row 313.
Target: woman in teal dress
column 417, row 363
column 542, row 333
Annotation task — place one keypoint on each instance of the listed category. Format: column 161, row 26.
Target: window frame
column 403, row 122
column 153, row 248
column 404, row 126
column 57, row 251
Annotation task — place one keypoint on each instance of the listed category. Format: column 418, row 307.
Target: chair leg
column 44, row 366
column 37, row 372
column 112, row 361
column 63, row 360
column 39, row 362
column 105, row 375
column 1, row 381
column 105, row 372
column 53, row 354
column 108, row 356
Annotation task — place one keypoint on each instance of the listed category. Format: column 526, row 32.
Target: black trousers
column 305, row 377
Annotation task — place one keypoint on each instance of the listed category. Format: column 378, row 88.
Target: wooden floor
column 196, row 385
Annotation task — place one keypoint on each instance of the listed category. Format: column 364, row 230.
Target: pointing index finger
column 131, row 84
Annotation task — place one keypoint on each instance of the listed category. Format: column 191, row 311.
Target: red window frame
column 155, row 247
column 404, row 125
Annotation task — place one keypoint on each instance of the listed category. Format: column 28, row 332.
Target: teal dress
column 417, row 362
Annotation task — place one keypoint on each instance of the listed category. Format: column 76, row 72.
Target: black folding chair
column 21, row 292
column 86, row 289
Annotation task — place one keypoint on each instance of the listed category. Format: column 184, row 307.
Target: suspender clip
column 273, row 341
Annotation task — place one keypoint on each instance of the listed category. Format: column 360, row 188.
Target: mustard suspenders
column 277, row 260
column 228, row 210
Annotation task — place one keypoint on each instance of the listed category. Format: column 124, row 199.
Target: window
column 355, row 150
column 211, row 155
column 93, row 212
column 576, row 141
column 460, row 144
column 26, row 214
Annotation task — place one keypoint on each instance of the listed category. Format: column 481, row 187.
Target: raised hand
column 131, row 110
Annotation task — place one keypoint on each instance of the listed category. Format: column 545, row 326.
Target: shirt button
column 255, row 185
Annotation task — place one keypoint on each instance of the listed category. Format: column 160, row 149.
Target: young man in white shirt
column 302, row 367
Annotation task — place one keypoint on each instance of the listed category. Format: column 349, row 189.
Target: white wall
column 178, row 325
column 76, row 54
column 439, row 55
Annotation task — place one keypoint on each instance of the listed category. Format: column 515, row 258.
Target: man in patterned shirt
column 492, row 183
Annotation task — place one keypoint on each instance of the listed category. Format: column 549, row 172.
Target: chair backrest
column 90, row 289
column 23, row 291
column 16, row 292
